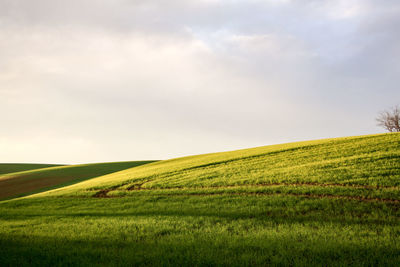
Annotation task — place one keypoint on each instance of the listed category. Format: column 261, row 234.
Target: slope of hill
column 324, row 202
column 27, row 182
column 354, row 166
column 19, row 167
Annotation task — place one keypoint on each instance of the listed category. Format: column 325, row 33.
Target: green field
column 18, row 167
column 25, row 179
column 333, row 202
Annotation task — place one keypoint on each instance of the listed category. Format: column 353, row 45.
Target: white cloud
column 342, row 9
column 102, row 81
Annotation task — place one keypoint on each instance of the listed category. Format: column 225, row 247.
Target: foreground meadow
column 328, row 202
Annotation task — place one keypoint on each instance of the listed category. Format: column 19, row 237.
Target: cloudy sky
column 93, row 81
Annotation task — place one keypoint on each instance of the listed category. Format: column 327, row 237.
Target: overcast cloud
column 91, row 81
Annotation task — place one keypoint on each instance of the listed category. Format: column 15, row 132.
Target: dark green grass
column 19, row 167
column 199, row 231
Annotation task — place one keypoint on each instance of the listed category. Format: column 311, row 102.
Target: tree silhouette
column 390, row 119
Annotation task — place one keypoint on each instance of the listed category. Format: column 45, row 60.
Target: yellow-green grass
column 19, row 167
column 26, row 182
column 333, row 202
column 357, row 165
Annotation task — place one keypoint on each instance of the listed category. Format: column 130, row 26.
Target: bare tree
column 390, row 119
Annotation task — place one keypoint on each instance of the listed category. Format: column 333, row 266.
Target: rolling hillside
column 19, row 167
column 37, row 179
column 325, row 202
column 354, row 166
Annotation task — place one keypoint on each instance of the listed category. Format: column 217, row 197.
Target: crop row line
column 307, row 184
column 103, row 194
column 138, row 187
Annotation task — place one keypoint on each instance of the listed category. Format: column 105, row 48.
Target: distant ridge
column 41, row 177
column 19, row 167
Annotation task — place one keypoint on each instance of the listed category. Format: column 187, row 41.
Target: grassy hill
column 19, row 167
column 36, row 179
column 323, row 202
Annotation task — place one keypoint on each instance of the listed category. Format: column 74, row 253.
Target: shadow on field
column 214, row 231
column 189, row 250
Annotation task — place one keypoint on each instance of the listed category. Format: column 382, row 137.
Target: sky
column 95, row 81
